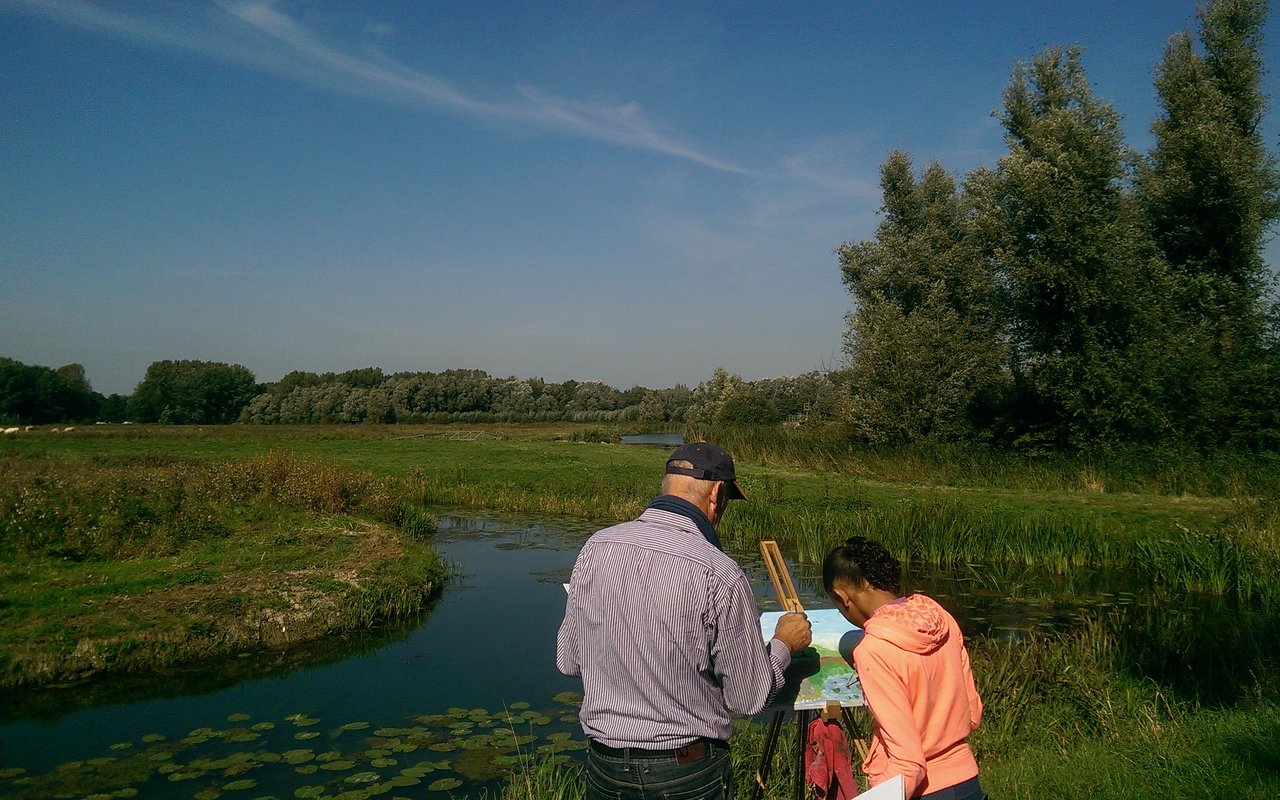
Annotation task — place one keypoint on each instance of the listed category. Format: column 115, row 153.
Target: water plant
column 304, row 756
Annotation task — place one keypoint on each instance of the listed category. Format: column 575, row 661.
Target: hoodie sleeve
column 886, row 694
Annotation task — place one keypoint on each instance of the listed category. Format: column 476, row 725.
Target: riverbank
column 125, row 563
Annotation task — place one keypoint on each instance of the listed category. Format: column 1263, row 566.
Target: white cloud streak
column 256, row 34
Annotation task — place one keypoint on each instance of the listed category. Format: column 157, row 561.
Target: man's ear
column 718, row 498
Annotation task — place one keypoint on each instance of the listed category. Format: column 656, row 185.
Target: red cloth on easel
column 828, row 765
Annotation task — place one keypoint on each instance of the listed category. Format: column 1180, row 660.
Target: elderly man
column 662, row 627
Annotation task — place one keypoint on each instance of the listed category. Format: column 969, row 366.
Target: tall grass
column 1170, row 470
column 103, row 508
column 1079, row 715
column 598, row 496
column 134, row 562
column 1238, row 560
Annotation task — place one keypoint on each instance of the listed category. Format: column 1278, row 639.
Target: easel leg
column 802, row 727
column 855, row 734
column 766, row 756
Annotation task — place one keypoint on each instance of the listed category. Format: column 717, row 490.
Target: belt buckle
column 694, row 751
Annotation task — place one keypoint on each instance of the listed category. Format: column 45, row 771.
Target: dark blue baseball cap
column 710, row 463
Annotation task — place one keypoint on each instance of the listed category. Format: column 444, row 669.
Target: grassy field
column 127, row 562
column 1129, row 706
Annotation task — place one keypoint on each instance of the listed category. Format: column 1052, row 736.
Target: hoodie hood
column 916, row 624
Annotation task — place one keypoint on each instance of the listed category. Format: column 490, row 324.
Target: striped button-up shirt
column 663, row 629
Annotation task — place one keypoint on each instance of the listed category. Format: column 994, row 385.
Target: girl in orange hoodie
column 915, row 676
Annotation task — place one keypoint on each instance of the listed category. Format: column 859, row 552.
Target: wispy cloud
column 257, row 34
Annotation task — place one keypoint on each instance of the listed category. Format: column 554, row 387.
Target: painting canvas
column 812, row 682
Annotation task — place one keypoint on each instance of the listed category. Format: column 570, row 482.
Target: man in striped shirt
column 662, row 627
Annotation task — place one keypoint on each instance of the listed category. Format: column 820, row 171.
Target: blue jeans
column 965, row 790
column 636, row 775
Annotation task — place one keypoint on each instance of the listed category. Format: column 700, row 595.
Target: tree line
column 1079, row 292
column 207, row 392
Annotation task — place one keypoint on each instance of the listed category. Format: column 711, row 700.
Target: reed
column 1166, row 469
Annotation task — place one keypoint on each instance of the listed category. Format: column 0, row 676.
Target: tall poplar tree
column 924, row 347
column 1085, row 283
column 1210, row 189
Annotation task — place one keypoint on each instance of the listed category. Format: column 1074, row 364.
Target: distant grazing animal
column 10, row 431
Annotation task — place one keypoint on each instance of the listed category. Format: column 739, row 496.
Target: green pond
column 441, row 705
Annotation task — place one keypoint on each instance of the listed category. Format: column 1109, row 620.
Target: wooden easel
column 790, row 601
column 780, row 575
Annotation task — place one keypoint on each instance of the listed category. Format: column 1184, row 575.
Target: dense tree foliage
column 1210, row 190
column 456, row 395
column 925, row 348
column 186, row 392
column 33, row 395
column 1086, row 288
column 1081, row 294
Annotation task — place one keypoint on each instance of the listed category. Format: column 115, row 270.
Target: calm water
column 490, row 641
column 432, row 703
column 659, row 439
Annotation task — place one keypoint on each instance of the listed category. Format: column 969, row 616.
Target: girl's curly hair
column 860, row 561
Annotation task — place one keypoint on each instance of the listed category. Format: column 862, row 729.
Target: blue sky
column 632, row 192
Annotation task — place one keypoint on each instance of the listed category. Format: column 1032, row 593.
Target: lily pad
column 240, row 785
column 390, row 732
column 305, row 792
column 238, row 717
column 341, row 764
column 569, row 698
column 304, row 735
column 520, row 705
column 443, row 785
column 153, row 737
column 362, row 777
column 404, row 780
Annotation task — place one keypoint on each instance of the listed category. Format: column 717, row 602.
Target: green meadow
column 242, row 537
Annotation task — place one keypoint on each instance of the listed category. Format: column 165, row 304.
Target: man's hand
column 794, row 631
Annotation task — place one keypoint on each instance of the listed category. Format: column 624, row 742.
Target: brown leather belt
column 689, row 753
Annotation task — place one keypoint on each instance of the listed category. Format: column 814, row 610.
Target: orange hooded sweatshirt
column 915, row 675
